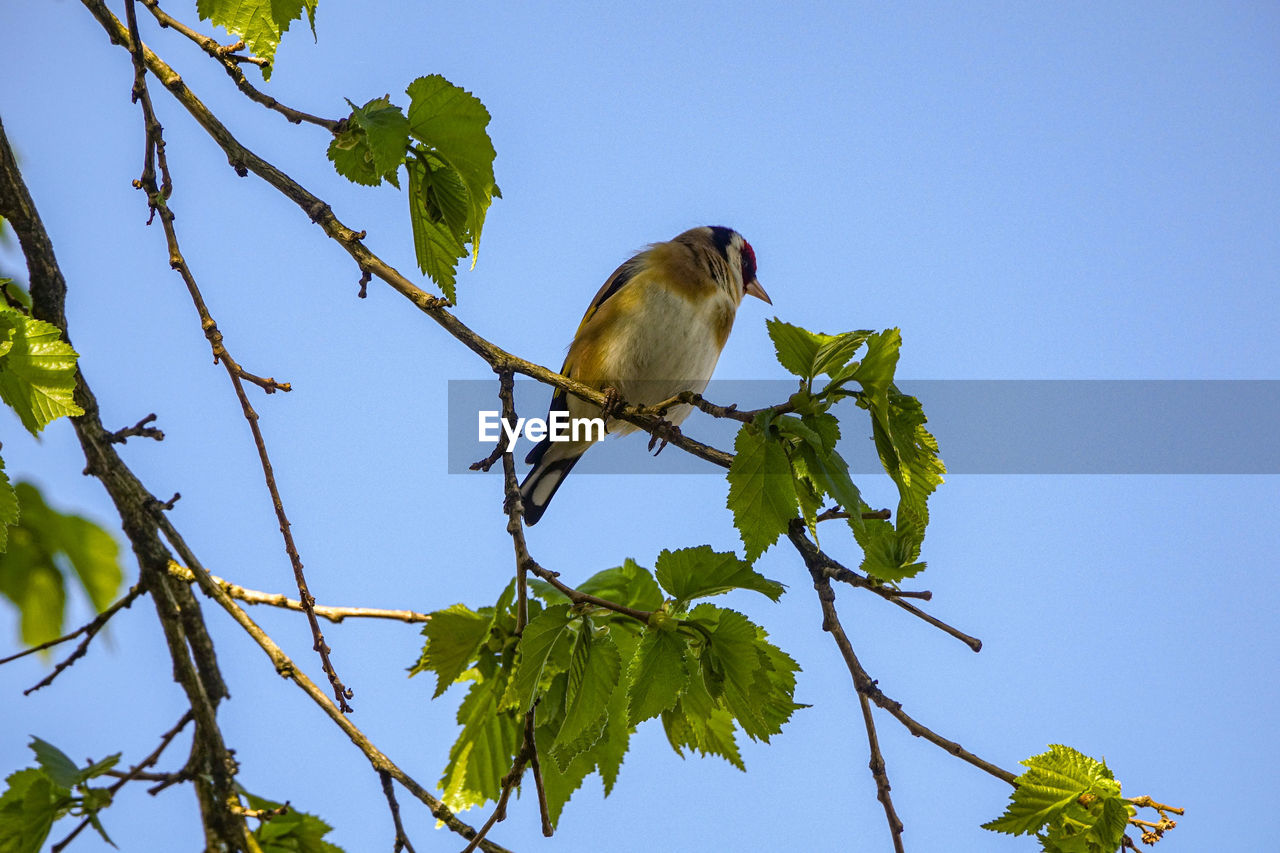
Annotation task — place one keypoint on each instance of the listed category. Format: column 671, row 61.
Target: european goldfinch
column 655, row 329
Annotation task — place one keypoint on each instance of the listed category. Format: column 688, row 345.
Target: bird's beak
column 753, row 287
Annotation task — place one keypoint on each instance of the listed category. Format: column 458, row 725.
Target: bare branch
column 818, row 561
column 138, row 429
column 388, row 790
column 279, row 599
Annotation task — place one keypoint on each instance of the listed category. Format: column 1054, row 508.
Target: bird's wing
column 621, row 277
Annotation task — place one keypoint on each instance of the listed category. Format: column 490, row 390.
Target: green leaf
column 260, row 23
column 794, row 346
column 629, row 584
column 45, row 547
column 698, row 722
column 372, row 146
column 60, row 769
column 762, row 495
column 292, row 832
column 836, row 352
column 28, row 808
column 1068, row 792
column 436, row 246
column 451, row 123
column 484, row 750
column 386, row 132
column 810, row 354
column 545, row 639
column 453, row 637
column 699, row 572
column 594, row 668
column 657, row 675
column 9, row 512
column 758, row 678
column 37, row 370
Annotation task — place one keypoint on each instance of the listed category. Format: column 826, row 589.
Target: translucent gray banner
column 982, row 426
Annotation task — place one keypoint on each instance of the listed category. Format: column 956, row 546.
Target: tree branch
column 817, row 560
column 279, row 599
column 195, row 664
column 288, row 669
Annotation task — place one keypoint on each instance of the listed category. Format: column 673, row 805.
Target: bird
column 655, row 329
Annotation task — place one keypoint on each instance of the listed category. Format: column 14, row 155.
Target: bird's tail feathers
column 541, row 483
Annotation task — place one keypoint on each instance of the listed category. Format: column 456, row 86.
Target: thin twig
column 137, row 772
column 865, row 685
column 229, row 58
column 138, row 429
column 279, row 599
column 389, row 791
column 92, row 627
column 831, row 624
column 818, row 560
column 89, row 630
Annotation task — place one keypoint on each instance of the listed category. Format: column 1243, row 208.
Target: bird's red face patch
column 748, row 263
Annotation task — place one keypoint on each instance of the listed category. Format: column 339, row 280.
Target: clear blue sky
column 1074, row 191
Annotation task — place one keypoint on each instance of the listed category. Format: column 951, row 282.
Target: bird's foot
column 663, row 431
column 613, row 403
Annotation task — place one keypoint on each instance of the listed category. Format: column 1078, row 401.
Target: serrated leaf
column 761, row 493
column 37, row 373
column 836, row 352
column 453, row 637
column 260, row 23
column 452, row 123
column 28, row 808
column 698, row 722
column 690, row 573
column 593, row 674
column 436, row 246
column 630, row 584
column 657, row 675
column 795, row 347
column 545, row 639
column 1052, row 783
column 484, row 750
column 55, row 763
column 758, row 679
column 386, row 133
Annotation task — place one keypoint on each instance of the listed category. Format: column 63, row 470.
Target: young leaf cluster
column 787, row 464
column 36, row 797
column 46, row 548
column 591, row 674
column 289, row 830
column 1069, row 801
column 445, row 148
